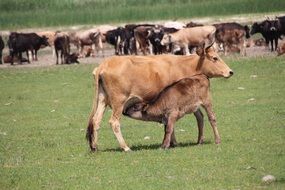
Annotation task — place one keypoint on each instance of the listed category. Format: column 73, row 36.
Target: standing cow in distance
column 120, row 78
column 23, row 42
column 229, row 35
column 269, row 30
column 194, row 37
column 182, row 97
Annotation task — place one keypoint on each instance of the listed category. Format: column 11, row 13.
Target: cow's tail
column 90, row 127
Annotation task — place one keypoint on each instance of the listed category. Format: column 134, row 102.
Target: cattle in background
column 269, row 30
column 62, row 46
column 23, row 42
column 193, row 24
column 173, row 102
column 91, row 37
column 232, row 36
column 119, row 78
column 122, row 39
column 142, row 33
column 195, row 36
column 155, row 36
column 2, row 45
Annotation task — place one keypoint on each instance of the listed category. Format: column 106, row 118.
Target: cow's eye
column 215, row 58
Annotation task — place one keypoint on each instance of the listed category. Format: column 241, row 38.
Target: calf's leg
column 169, row 130
column 200, row 122
column 212, row 120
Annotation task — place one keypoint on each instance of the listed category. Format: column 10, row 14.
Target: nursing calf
column 120, row 78
column 173, row 102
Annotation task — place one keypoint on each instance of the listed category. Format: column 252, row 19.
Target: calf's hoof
column 218, row 141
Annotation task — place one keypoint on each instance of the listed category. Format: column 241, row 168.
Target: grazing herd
column 136, row 39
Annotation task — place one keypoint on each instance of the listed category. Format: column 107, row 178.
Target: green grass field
column 16, row 14
column 44, row 111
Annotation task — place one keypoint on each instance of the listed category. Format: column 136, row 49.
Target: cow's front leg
column 115, row 124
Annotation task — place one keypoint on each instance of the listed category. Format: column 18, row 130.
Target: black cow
column 269, row 30
column 122, row 39
column 1, row 48
column 23, row 42
column 62, row 45
column 155, row 37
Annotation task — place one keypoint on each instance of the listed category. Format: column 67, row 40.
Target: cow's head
column 156, row 35
column 211, row 64
column 166, row 39
column 255, row 28
column 44, row 41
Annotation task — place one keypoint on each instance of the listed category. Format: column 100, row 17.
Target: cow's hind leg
column 115, row 124
column 200, row 122
column 96, row 121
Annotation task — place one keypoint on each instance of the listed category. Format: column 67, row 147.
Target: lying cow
column 173, row 102
column 281, row 49
column 9, row 59
column 120, row 78
column 195, row 36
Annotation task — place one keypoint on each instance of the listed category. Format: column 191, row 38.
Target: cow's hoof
column 127, row 149
column 165, row 146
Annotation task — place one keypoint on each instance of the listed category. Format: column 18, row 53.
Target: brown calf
column 173, row 102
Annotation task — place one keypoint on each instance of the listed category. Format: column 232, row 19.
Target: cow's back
column 196, row 34
column 143, row 76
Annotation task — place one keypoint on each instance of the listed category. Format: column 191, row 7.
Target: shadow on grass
column 155, row 146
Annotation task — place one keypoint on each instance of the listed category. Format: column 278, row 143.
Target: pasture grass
column 44, row 111
column 16, row 14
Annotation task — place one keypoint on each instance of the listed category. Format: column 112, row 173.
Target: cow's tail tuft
column 90, row 127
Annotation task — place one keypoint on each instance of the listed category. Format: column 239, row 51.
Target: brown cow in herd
column 120, row 78
column 182, row 97
column 195, row 36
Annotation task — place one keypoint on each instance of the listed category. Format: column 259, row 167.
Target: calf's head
column 211, row 64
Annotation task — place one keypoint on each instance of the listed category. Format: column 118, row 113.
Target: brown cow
column 229, row 35
column 195, row 36
column 141, row 34
column 173, row 102
column 120, row 78
column 88, row 37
